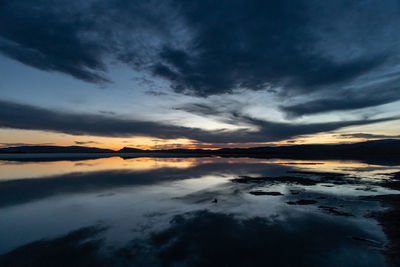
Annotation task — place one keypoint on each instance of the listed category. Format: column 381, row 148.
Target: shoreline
column 389, row 219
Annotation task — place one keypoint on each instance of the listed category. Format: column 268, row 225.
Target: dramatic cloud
column 205, row 47
column 368, row 96
column 49, row 37
column 254, row 45
column 21, row 116
column 76, row 38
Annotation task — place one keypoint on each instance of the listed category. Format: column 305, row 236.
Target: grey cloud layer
column 21, row 116
column 252, row 45
column 213, row 47
column 75, row 37
column 378, row 94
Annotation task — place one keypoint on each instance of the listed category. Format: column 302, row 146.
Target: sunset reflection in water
column 135, row 201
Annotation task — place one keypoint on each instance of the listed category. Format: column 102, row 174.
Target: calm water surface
column 191, row 212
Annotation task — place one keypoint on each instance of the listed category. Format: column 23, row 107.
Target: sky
column 198, row 74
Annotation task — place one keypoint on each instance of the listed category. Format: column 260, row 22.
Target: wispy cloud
column 19, row 116
column 368, row 136
column 85, row 142
column 24, row 144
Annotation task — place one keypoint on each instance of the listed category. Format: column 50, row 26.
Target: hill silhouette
column 368, row 149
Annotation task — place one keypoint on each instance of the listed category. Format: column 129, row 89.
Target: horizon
column 211, row 149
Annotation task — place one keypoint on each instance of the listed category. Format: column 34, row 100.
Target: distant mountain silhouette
column 54, row 149
column 376, row 148
column 381, row 147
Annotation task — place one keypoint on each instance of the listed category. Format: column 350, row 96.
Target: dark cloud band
column 21, row 116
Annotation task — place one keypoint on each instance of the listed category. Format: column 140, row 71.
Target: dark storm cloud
column 347, row 100
column 47, row 36
column 205, row 47
column 21, row 116
column 326, row 105
column 75, row 38
column 242, row 44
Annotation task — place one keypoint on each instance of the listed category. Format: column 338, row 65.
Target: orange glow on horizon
column 15, row 137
